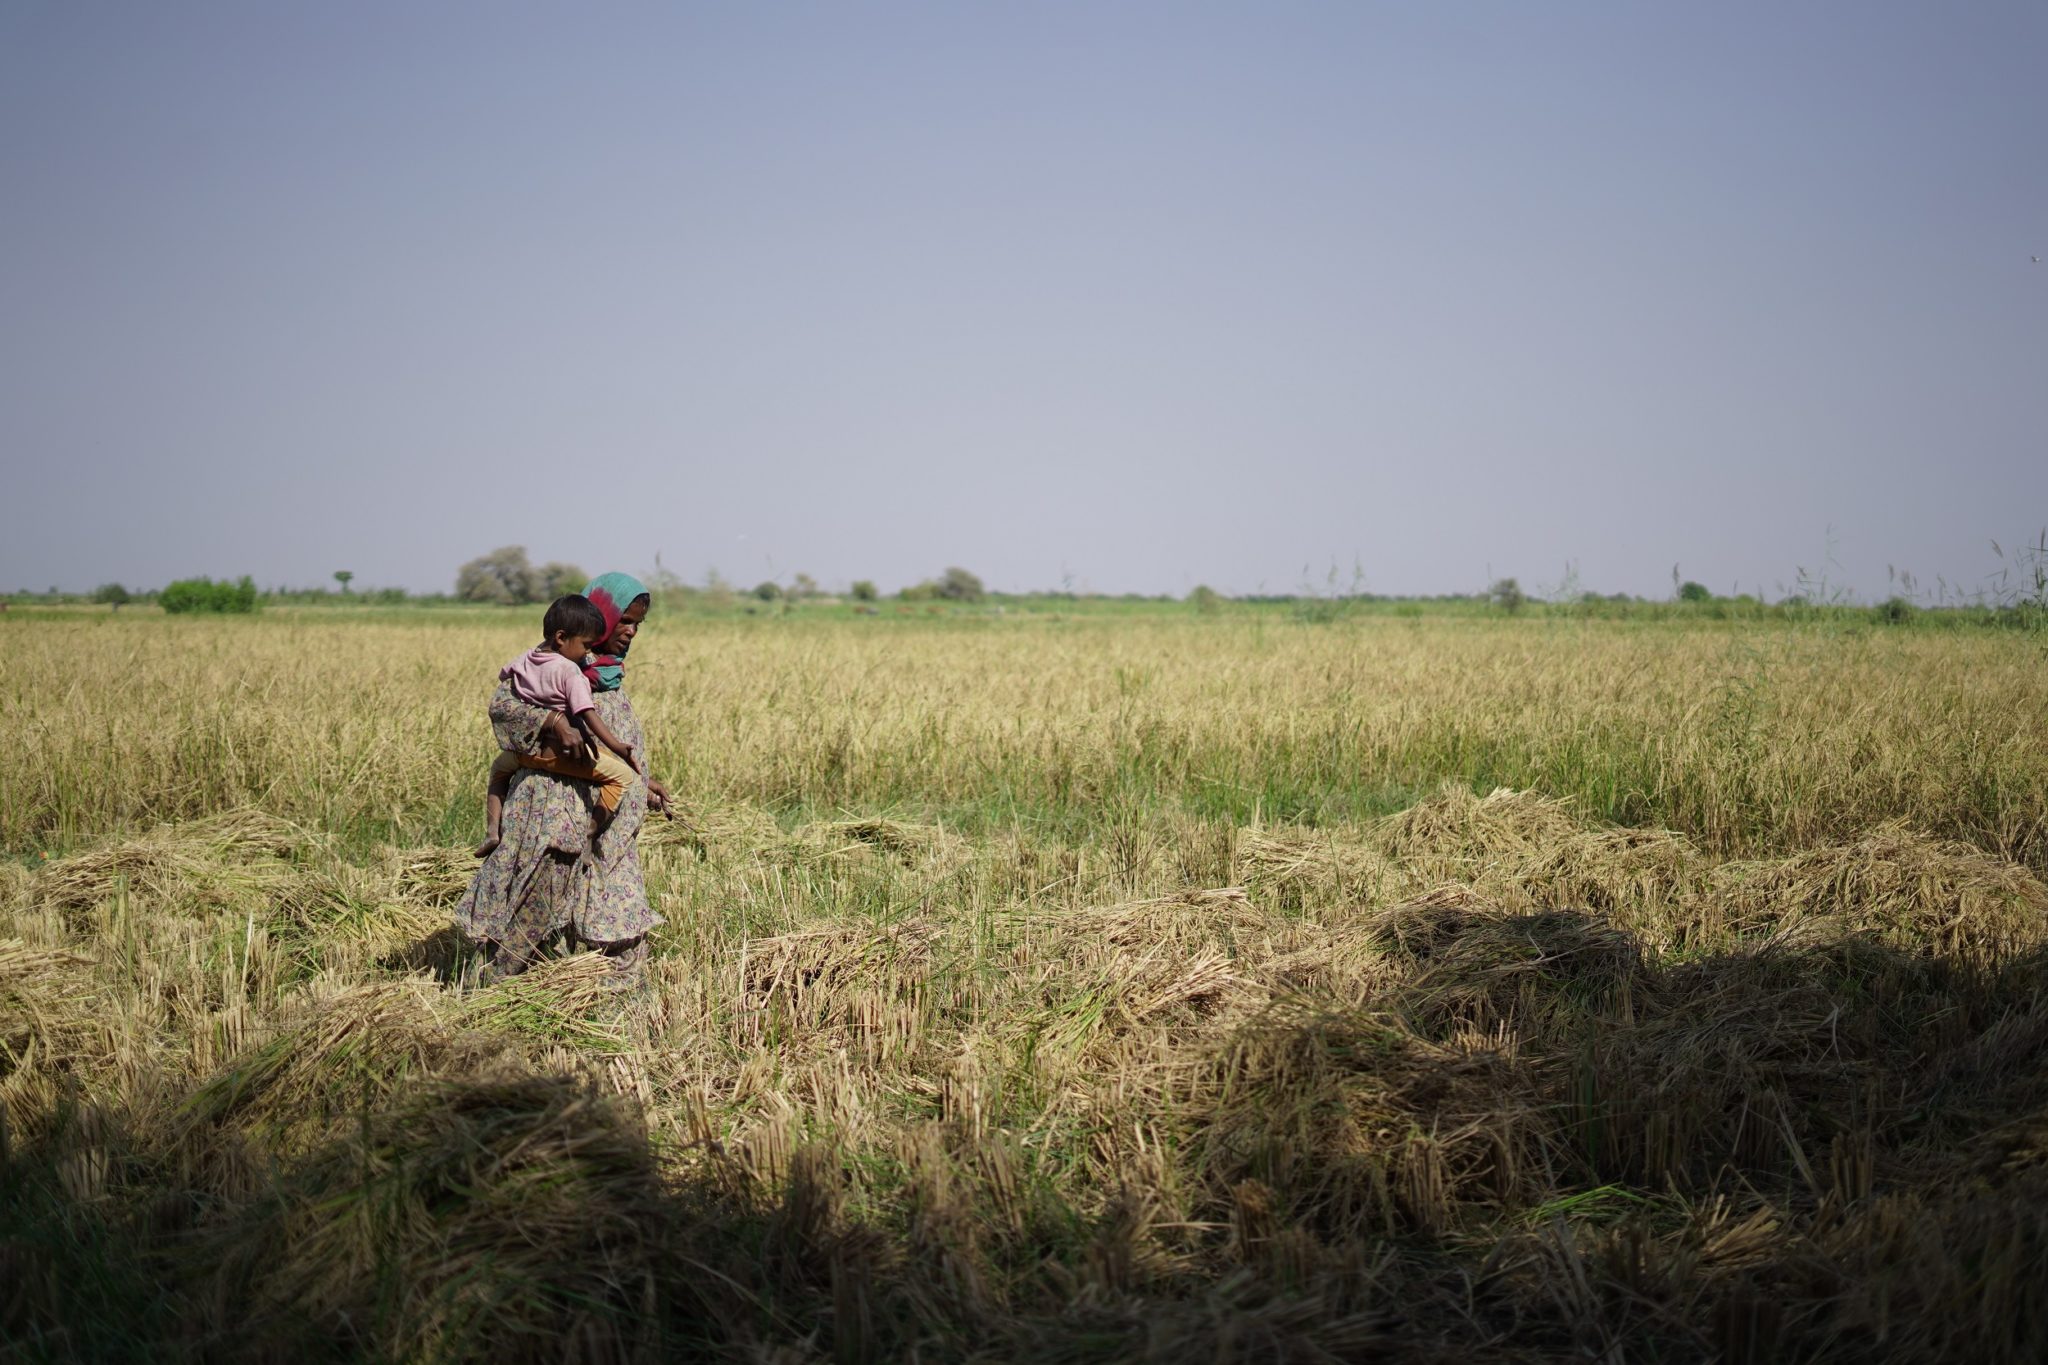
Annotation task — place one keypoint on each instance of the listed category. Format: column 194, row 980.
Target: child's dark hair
column 574, row 614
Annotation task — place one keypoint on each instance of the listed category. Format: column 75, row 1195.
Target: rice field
column 1041, row 988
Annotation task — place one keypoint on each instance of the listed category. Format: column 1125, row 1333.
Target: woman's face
column 629, row 626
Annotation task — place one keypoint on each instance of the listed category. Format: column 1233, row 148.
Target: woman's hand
column 565, row 739
column 657, row 798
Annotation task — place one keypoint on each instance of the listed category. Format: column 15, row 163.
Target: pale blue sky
column 1129, row 296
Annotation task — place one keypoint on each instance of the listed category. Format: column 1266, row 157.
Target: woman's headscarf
column 611, row 594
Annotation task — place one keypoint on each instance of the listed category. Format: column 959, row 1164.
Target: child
column 551, row 675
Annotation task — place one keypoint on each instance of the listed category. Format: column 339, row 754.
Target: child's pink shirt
column 545, row 678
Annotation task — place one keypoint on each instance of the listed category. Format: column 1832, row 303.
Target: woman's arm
column 617, row 713
column 519, row 726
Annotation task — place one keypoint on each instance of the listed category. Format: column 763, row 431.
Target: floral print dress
column 550, row 876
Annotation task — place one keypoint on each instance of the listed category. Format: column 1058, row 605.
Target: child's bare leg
column 600, row 814
column 494, row 812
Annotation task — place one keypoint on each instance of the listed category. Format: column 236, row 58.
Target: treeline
column 507, row 577
column 223, row 595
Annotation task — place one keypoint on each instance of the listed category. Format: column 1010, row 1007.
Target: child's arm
column 604, row 736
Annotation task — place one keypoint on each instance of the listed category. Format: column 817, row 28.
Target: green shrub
column 1695, row 592
column 203, row 594
column 111, row 593
column 1896, row 611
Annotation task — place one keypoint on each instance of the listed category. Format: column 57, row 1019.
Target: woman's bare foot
column 483, row 850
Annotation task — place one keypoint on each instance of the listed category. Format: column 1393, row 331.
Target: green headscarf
column 611, row 594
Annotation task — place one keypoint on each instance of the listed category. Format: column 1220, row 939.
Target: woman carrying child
column 553, row 676
column 552, row 874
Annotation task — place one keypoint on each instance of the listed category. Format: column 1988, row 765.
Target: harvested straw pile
column 48, row 1000
column 1637, row 876
column 1050, row 1104
column 1487, row 973
column 354, row 1051
column 712, row 830
column 507, row 1219
column 1532, row 852
column 1163, row 963
column 1092, row 1005
column 1212, row 917
column 16, row 885
column 1762, row 1062
column 52, row 1030
column 1238, row 1319
column 1456, row 836
column 1940, row 1276
column 1915, row 893
column 572, row 1001
column 1353, row 1122
column 1415, row 929
column 836, row 986
column 926, row 848
column 1992, row 1074
column 432, row 877
column 806, row 963
column 238, row 861
column 338, row 915
column 1308, row 869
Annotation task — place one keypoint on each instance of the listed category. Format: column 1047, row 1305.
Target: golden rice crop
column 1747, row 739
column 1044, row 991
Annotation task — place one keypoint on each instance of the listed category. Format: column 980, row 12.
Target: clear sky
column 1123, row 296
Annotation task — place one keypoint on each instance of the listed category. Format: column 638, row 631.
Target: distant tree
column 342, row 576
column 864, row 590
column 113, row 594
column 958, row 585
column 1690, row 591
column 1507, row 594
column 1205, row 600
column 503, row 576
column 919, row 592
column 768, row 591
column 559, row 580
column 203, row 594
column 718, row 593
column 803, row 587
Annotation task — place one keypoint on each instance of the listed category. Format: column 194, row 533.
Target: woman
column 550, row 875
